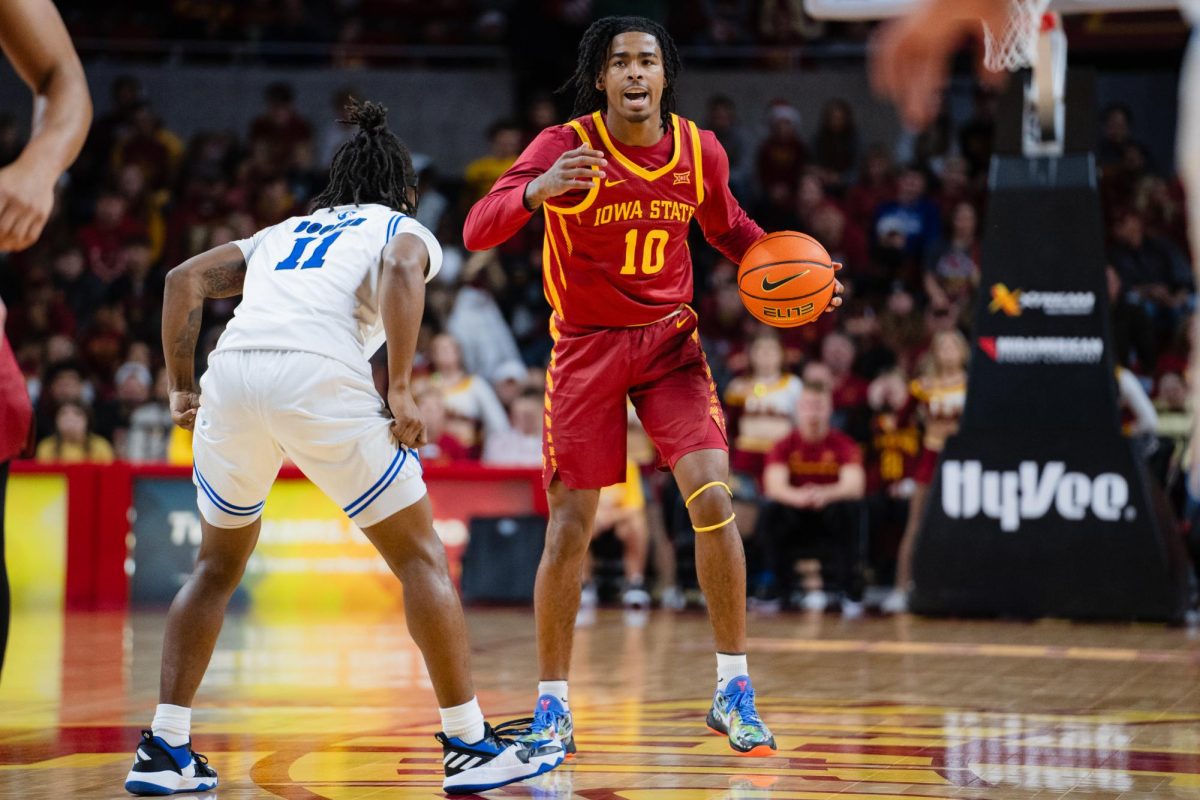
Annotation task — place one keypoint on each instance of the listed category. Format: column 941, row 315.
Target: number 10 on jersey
column 654, row 248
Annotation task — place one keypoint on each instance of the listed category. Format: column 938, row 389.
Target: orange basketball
column 786, row 279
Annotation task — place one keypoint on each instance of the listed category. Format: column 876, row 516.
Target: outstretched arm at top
column 219, row 272
column 910, row 61
column 35, row 40
column 553, row 164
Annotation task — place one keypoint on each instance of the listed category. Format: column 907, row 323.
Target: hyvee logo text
column 1029, row 492
column 1013, row 302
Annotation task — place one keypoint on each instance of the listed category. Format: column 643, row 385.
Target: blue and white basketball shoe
column 160, row 769
column 494, row 761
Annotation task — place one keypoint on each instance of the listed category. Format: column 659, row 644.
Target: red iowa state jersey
column 617, row 255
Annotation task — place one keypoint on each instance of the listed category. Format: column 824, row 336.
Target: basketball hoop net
column 1034, row 39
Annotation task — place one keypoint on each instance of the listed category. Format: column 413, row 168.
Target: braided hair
column 373, row 167
column 593, row 55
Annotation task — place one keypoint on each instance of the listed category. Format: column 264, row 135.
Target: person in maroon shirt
column 809, row 478
column 619, row 185
column 35, row 40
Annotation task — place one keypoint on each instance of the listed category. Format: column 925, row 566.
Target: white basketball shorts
column 256, row 406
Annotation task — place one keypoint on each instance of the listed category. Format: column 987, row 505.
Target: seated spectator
column 761, row 405
column 473, row 411
column 844, row 241
column 476, row 322
column 892, row 453
column 80, row 289
column 622, row 510
column 876, row 186
column 783, row 155
column 63, row 383
column 1174, row 407
column 520, row 445
column 912, row 213
column 1153, row 271
column 101, row 241
column 1116, row 132
column 723, row 122
column 836, row 146
column 440, row 448
column 941, row 393
column 281, row 131
column 150, row 427
column 510, row 380
column 504, row 145
column 133, row 383
column 849, row 389
column 72, row 441
column 952, row 270
column 808, row 477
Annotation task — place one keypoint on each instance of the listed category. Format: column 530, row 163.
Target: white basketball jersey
column 312, row 283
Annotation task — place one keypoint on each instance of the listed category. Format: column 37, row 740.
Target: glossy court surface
column 341, row 708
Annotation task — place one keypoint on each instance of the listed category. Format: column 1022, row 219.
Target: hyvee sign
column 1032, row 492
column 1039, row 506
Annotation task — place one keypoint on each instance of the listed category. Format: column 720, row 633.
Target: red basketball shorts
column 660, row 367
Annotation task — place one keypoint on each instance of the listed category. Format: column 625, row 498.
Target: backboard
column 881, row 9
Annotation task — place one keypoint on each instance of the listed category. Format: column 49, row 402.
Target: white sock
column 464, row 722
column 730, row 666
column 556, row 688
column 172, row 724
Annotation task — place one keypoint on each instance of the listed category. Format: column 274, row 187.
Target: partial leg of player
column 721, row 567
column 408, row 543
column 556, row 602
column 164, row 762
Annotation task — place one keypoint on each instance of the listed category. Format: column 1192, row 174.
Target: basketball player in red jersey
column 618, row 186
column 35, row 40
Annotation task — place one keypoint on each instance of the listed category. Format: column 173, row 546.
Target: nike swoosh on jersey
column 768, row 286
column 608, row 183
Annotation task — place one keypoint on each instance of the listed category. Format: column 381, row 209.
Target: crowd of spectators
column 904, row 218
column 350, row 28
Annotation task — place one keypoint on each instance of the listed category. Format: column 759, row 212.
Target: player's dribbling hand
column 184, row 406
column 838, row 287
column 407, row 426
column 572, row 171
column 26, row 199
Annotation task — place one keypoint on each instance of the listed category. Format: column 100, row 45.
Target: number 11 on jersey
column 326, row 236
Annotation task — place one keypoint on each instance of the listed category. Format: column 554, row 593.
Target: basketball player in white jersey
column 911, row 63
column 290, row 376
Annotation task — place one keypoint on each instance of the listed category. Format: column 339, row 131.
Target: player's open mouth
column 637, row 97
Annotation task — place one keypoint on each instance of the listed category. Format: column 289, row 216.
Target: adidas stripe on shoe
column 494, row 761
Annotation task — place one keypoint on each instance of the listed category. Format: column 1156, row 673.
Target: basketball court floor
column 877, row 708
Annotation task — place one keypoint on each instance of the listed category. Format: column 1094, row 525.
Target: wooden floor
column 341, row 708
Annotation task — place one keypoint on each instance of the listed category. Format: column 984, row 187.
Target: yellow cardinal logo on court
column 1006, row 300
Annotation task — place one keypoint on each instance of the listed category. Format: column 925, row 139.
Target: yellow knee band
column 688, row 503
column 718, row 526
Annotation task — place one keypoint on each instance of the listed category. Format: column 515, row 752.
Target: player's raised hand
column 574, row 169
column 407, row 426
column 838, row 288
column 910, row 62
column 26, row 199
column 184, row 406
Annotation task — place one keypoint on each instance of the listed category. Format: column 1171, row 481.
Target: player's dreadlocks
column 593, row 55
column 373, row 167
